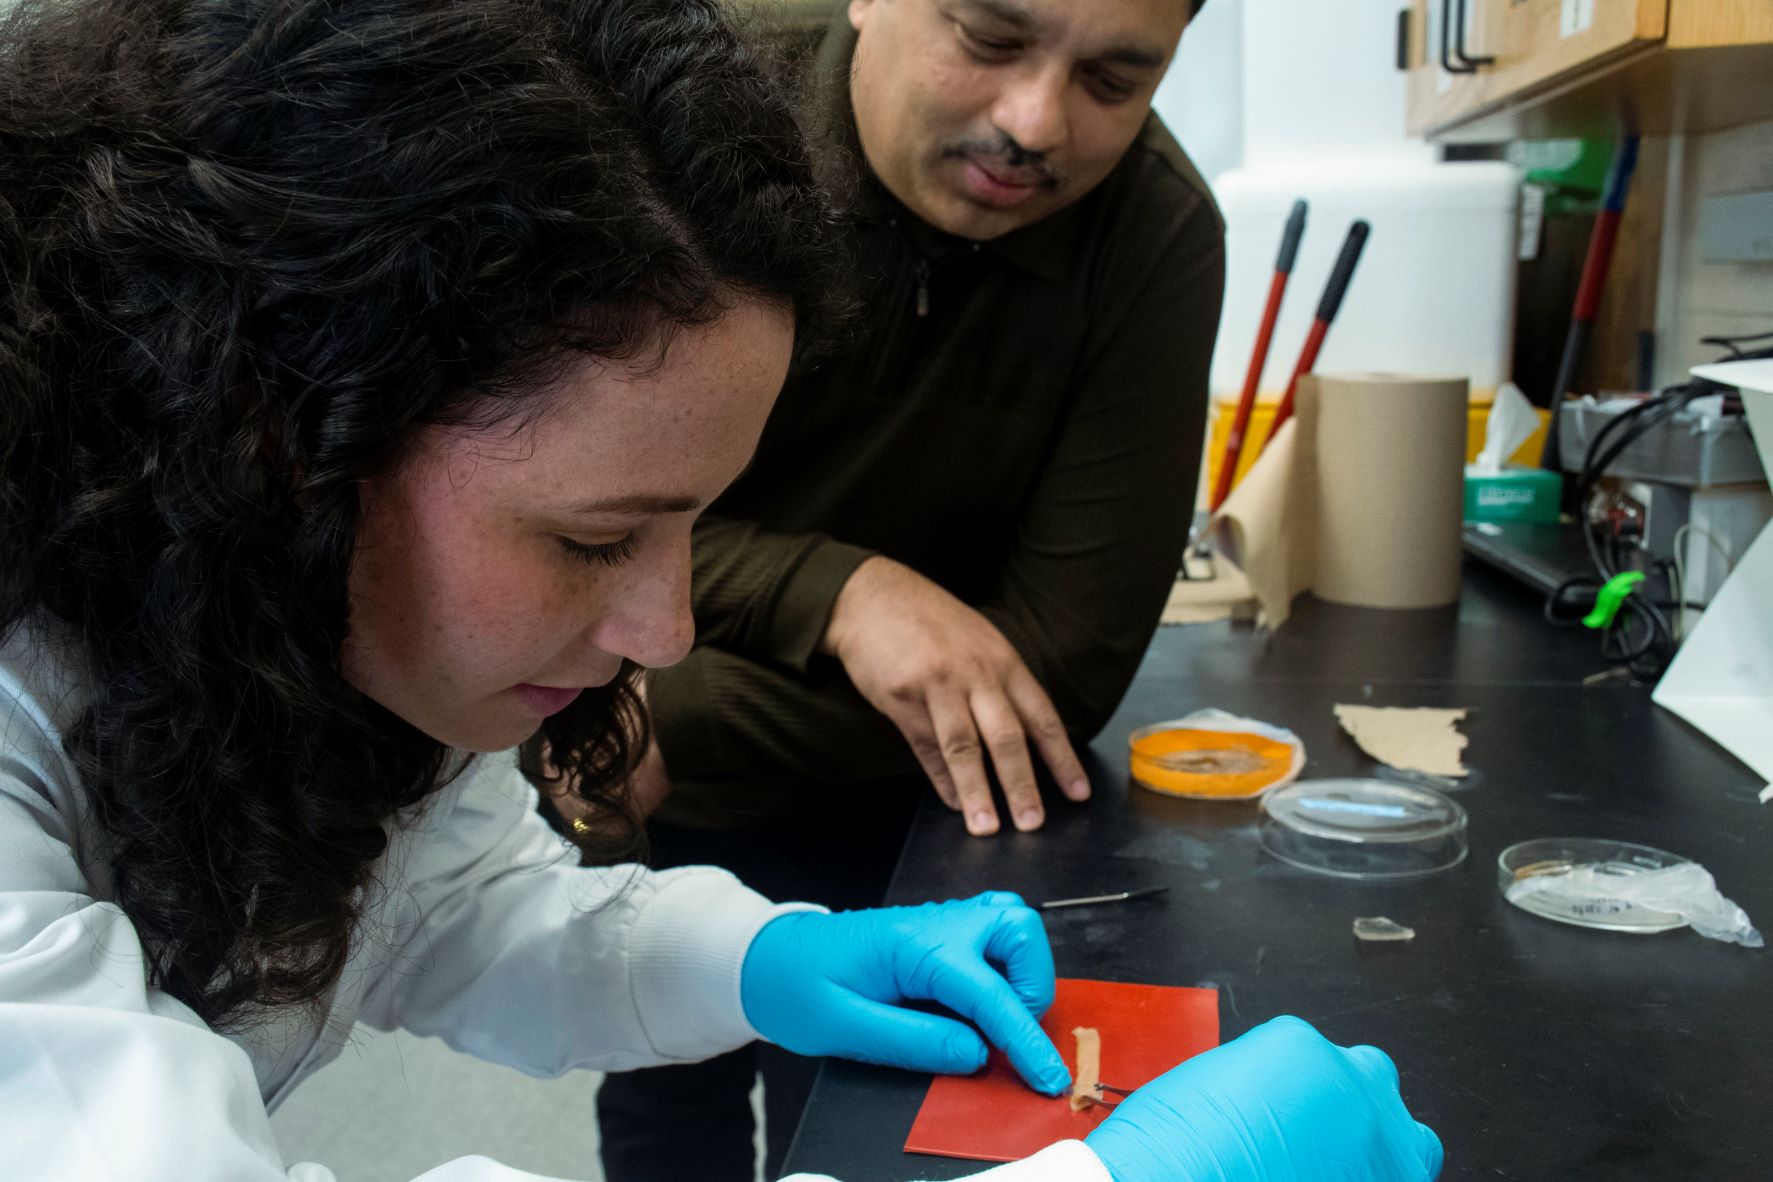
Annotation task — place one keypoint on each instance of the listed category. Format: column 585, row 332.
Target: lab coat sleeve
column 102, row 1078
column 516, row 954
column 106, row 1080
column 1065, row 1161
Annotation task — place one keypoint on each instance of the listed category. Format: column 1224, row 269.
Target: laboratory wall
column 1201, row 97
column 1698, row 298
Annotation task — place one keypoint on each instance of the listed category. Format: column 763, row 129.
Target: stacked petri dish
column 1365, row 829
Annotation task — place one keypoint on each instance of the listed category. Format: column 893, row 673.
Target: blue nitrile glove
column 1280, row 1104
column 832, row 985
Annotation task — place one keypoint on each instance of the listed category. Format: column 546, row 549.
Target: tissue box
column 1514, row 494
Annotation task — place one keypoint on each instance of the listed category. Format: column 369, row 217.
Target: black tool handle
column 1459, row 42
column 1344, row 271
column 1295, row 230
column 1575, row 345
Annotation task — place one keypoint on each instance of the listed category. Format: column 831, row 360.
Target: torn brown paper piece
column 1267, row 526
column 1416, row 739
column 1201, row 601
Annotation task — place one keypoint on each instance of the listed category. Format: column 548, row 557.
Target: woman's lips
column 546, row 699
column 998, row 190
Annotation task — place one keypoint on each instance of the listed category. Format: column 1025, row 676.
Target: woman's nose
column 651, row 623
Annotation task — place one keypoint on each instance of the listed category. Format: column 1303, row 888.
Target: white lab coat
column 484, row 933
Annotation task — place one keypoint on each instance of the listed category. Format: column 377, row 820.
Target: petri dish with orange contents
column 1213, row 755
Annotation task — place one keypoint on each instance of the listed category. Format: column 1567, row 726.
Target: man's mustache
column 1013, row 155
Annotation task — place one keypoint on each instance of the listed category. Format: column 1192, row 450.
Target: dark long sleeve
column 1097, row 549
column 765, row 594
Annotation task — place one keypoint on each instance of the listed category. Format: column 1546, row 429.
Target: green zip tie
column 1611, row 598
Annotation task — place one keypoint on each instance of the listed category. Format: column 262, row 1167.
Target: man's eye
column 988, row 49
column 1109, row 89
column 604, row 554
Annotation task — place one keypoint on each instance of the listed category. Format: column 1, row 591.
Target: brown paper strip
column 1084, row 1090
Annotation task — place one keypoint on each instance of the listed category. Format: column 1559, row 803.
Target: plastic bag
column 1687, row 890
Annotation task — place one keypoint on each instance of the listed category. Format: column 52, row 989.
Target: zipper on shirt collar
column 921, row 268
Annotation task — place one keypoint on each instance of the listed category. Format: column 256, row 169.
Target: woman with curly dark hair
column 363, row 365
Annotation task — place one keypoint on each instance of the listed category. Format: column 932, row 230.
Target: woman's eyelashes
column 600, row 554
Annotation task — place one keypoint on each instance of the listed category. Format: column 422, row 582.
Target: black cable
column 1656, row 633
column 1656, row 637
column 1562, row 611
column 1731, row 342
column 1608, row 443
column 1555, row 598
column 1629, row 426
column 1641, row 418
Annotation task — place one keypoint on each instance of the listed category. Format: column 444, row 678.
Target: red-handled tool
column 1240, row 423
column 1588, row 292
column 1326, row 312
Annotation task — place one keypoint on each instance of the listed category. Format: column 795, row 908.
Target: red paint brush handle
column 1307, row 358
column 1240, row 423
column 1283, row 269
column 1594, row 268
column 1340, row 275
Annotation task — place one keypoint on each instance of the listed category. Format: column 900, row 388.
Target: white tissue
column 1512, row 420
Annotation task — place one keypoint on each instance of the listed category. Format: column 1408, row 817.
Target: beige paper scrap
column 1267, row 525
column 1201, row 601
column 1416, row 739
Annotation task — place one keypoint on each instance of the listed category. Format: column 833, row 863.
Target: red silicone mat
column 994, row 1116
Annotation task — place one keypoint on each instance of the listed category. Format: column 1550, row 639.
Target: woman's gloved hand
column 833, row 985
column 1280, row 1104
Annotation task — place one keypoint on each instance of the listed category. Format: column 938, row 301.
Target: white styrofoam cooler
column 1434, row 293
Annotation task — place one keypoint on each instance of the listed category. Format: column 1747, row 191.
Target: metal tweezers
column 1104, row 1101
column 1092, row 900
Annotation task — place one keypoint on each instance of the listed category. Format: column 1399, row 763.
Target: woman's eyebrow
column 636, row 505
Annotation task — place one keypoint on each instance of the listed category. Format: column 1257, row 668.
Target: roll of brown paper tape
column 1390, row 485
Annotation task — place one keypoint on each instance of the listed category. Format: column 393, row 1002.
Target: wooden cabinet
column 1506, row 69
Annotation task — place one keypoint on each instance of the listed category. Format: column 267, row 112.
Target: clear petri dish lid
column 1567, row 879
column 1364, row 828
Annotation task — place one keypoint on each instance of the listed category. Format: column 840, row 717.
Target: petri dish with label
column 1364, row 829
column 1567, row 878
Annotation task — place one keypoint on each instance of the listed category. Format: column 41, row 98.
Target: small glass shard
column 1377, row 927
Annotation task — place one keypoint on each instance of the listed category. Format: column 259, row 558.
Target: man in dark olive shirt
column 956, row 539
